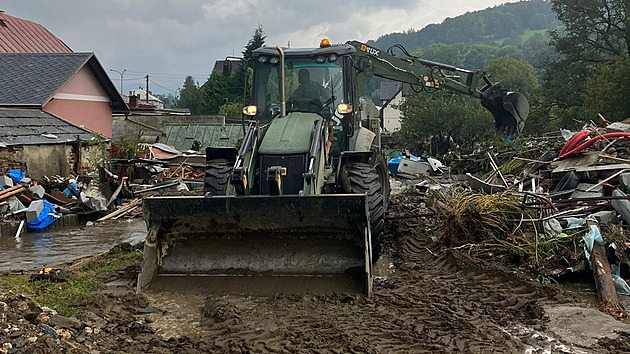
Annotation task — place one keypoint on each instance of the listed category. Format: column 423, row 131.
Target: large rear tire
column 362, row 178
column 217, row 177
column 380, row 165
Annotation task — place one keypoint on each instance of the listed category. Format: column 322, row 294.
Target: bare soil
column 433, row 300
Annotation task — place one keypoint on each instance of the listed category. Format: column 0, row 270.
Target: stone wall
column 54, row 159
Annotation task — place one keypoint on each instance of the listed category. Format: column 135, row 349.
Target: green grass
column 529, row 33
column 105, row 264
column 66, row 298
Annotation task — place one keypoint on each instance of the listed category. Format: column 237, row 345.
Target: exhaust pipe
column 283, row 101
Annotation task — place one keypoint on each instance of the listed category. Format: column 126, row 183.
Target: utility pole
column 147, row 96
column 122, row 73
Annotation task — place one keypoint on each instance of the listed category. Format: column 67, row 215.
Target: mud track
column 435, row 301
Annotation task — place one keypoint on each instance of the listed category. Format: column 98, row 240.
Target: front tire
column 217, row 177
column 362, row 178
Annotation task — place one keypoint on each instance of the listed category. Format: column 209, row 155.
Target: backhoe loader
column 302, row 200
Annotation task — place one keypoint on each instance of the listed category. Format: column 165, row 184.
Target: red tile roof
column 22, row 36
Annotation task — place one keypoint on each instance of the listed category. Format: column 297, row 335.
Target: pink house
column 39, row 71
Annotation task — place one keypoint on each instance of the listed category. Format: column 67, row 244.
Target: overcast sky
column 169, row 39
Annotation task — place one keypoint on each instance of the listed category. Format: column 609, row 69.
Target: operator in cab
column 309, row 95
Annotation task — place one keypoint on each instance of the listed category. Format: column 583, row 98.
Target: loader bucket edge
column 286, row 236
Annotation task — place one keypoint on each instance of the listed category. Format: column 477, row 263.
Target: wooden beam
column 606, row 292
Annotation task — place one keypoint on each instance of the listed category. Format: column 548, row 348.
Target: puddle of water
column 37, row 249
column 182, row 315
column 383, row 268
column 537, row 342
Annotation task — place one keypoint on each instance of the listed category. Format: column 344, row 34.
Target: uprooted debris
column 531, row 205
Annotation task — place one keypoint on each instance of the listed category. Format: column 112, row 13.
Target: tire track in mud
column 433, row 302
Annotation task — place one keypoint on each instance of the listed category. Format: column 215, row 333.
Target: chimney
column 133, row 101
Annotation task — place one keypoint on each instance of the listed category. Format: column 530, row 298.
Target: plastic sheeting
column 16, row 175
column 392, row 165
column 45, row 219
column 591, row 236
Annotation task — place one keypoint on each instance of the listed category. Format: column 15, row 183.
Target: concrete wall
column 132, row 127
column 57, row 159
column 83, row 101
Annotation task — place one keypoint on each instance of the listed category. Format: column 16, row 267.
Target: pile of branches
column 498, row 227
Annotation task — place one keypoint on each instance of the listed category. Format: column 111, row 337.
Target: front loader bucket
column 258, row 244
column 510, row 109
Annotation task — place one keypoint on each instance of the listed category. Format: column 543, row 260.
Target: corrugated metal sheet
column 183, row 135
column 34, row 127
column 22, row 36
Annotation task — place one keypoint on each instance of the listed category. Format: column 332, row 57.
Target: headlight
column 262, row 59
column 344, row 108
column 249, row 110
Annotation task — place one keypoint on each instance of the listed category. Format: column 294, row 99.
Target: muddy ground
column 428, row 299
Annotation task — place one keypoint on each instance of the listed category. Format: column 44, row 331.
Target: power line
column 135, row 78
column 166, row 88
column 168, row 74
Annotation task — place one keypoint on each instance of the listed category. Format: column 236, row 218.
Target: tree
column 444, row 114
column 257, row 41
column 219, row 90
column 512, row 74
column 190, row 96
column 594, row 31
column 609, row 90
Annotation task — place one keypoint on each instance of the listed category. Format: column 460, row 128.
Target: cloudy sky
column 169, row 39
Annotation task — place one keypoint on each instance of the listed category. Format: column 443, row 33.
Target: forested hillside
column 570, row 58
column 504, row 24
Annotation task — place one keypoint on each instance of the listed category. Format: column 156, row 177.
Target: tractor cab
column 317, row 81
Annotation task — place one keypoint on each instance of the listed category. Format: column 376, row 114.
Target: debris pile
column 55, row 201
column 156, row 163
column 536, row 205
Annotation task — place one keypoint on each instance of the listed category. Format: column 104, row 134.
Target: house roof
column 183, row 135
column 22, row 36
column 32, row 79
column 389, row 90
column 218, row 65
column 35, row 127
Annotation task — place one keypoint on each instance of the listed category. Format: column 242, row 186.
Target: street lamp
column 122, row 73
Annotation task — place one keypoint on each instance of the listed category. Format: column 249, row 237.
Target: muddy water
column 34, row 250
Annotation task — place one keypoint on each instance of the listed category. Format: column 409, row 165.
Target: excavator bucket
column 510, row 109
column 258, row 244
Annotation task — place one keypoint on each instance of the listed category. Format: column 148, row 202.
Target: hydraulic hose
column 578, row 144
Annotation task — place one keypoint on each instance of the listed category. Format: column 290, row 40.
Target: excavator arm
column 510, row 109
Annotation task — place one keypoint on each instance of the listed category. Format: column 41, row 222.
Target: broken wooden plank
column 606, row 292
column 13, row 192
column 123, row 209
column 126, row 212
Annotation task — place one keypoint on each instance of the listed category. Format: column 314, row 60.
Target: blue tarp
column 16, row 175
column 45, row 219
column 393, row 164
column 68, row 192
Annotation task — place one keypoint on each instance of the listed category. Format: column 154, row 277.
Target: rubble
column 527, row 206
column 58, row 201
